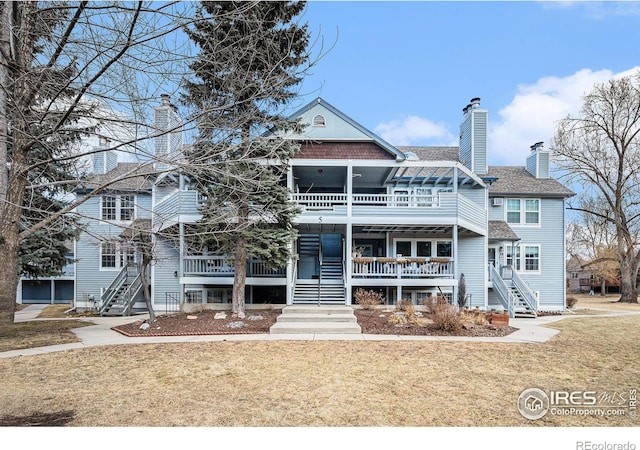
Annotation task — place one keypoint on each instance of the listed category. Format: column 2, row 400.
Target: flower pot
column 499, row 319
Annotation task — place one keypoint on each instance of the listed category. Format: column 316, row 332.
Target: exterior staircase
column 119, row 297
column 313, row 292
column 514, row 294
column 521, row 308
column 308, row 319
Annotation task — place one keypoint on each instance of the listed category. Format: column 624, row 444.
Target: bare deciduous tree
column 58, row 61
column 600, row 150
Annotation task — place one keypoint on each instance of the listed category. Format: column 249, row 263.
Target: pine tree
column 250, row 60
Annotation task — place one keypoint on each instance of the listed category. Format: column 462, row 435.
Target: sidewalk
column 101, row 334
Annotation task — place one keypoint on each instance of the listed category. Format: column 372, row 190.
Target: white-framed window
column 527, row 257
column 109, row 208
column 127, row 207
column 118, row 207
column 511, row 261
column 318, row 121
column 523, row 211
column 108, row 255
column 531, row 258
column 112, row 256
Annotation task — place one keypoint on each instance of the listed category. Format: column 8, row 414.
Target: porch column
column 290, row 275
column 454, row 255
column 349, row 234
column 180, row 261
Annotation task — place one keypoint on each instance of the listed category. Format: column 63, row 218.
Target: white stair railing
column 527, row 294
column 505, row 295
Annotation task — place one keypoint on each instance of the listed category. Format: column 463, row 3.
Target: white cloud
column 414, row 130
column 534, row 111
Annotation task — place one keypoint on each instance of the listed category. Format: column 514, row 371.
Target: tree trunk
column 603, row 286
column 145, row 289
column 628, row 289
column 8, row 276
column 239, row 278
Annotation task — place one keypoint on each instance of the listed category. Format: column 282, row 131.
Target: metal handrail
column 527, row 294
column 131, row 293
column 112, row 289
column 504, row 293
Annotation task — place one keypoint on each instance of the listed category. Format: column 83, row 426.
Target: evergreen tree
column 250, row 60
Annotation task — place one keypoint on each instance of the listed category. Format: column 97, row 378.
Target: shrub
column 571, row 301
column 397, row 319
column 402, row 305
column 477, row 317
column 446, row 317
column 367, row 299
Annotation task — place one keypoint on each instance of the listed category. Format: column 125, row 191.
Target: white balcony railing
column 216, row 266
column 396, row 200
column 319, row 201
column 402, row 268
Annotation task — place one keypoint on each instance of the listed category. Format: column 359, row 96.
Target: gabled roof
column 432, row 153
column 125, row 177
column 516, row 180
column 371, row 135
column 501, row 231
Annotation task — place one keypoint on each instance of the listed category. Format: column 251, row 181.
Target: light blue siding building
column 407, row 221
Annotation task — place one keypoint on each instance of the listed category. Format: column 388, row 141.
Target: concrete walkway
column 101, row 334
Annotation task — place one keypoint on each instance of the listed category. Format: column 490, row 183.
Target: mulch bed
column 203, row 323
column 375, row 321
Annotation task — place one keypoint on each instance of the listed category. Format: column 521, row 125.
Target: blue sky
column 406, row 69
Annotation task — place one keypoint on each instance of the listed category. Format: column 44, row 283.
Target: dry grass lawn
column 609, row 302
column 334, row 383
column 38, row 334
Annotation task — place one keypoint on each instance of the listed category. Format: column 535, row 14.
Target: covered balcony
column 401, row 268
column 217, row 266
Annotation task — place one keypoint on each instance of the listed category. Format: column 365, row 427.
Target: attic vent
column 497, row 201
column 318, row 121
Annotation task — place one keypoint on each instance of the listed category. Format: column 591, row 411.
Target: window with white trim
column 523, row 211
column 114, row 257
column 527, row 257
column 108, row 207
column 108, row 255
column 532, row 258
column 511, row 261
column 118, row 207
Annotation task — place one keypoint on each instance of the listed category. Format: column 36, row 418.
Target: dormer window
column 318, row 121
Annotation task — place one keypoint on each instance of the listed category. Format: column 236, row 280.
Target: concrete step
column 300, row 317
column 315, row 328
column 312, row 319
column 320, row 310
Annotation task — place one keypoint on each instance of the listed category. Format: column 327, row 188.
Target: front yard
column 326, row 383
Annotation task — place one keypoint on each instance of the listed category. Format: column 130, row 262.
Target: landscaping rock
column 192, row 317
column 236, row 325
column 257, row 317
column 220, row 315
column 145, row 326
column 468, row 325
